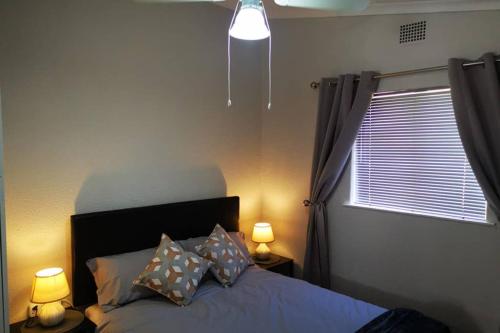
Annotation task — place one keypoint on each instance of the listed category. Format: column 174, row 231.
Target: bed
column 260, row 301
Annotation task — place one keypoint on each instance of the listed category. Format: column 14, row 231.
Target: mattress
column 260, row 301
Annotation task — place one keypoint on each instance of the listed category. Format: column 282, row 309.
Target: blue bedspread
column 260, row 301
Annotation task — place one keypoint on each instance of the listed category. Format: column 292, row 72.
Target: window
column 408, row 157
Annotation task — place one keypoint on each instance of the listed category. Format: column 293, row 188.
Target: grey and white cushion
column 229, row 261
column 238, row 237
column 173, row 272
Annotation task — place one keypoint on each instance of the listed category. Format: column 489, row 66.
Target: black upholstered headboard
column 132, row 229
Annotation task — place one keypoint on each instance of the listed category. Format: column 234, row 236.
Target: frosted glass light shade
column 262, row 233
column 250, row 24
column 49, row 285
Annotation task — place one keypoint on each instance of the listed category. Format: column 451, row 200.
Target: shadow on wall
column 452, row 315
column 144, row 186
column 148, row 186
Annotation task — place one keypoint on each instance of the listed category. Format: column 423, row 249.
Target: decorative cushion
column 229, row 261
column 238, row 237
column 190, row 244
column 174, row 272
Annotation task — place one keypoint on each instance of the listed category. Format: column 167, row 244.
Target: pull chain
column 229, row 71
column 269, row 71
column 229, row 103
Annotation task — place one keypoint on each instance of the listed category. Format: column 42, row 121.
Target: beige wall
column 111, row 104
column 447, row 269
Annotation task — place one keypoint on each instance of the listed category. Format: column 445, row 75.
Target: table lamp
column 262, row 234
column 49, row 287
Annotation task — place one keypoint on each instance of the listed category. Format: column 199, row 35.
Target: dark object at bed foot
column 403, row 321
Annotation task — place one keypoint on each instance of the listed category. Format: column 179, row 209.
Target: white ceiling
column 380, row 7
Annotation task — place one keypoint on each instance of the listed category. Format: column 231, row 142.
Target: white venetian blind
column 408, row 157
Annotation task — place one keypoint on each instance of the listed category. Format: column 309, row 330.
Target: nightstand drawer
column 283, row 266
column 285, row 269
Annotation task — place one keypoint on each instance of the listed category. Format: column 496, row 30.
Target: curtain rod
column 316, row 84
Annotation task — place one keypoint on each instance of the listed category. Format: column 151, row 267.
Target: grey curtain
column 342, row 105
column 475, row 91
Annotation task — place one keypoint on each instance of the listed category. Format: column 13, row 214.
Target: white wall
column 111, row 104
column 448, row 270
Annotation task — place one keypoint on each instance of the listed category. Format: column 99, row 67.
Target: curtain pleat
column 343, row 102
column 475, row 91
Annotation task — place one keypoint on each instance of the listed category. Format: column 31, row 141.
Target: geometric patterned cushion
column 229, row 261
column 239, row 239
column 173, row 272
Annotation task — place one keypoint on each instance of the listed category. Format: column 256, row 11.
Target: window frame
column 489, row 216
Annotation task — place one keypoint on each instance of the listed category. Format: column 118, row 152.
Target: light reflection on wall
column 110, row 128
column 283, row 208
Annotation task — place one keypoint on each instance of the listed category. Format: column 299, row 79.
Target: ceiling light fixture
column 249, row 22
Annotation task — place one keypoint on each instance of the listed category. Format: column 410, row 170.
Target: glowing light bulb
column 250, row 23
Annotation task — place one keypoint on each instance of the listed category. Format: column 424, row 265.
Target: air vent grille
column 412, row 32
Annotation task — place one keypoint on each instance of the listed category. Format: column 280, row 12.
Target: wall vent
column 412, row 32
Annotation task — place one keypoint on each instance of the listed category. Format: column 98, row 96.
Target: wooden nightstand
column 282, row 266
column 85, row 326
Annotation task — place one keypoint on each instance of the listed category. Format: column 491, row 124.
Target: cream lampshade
column 49, row 287
column 262, row 233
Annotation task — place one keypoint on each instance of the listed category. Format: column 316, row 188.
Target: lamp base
column 51, row 314
column 72, row 319
column 262, row 252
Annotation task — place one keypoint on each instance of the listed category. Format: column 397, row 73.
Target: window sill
column 393, row 211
